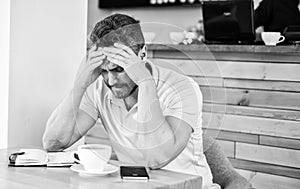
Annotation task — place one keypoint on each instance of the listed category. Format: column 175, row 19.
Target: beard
column 120, row 93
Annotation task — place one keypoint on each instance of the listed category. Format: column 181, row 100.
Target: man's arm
column 222, row 170
column 68, row 123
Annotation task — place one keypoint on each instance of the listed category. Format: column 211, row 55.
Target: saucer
column 109, row 169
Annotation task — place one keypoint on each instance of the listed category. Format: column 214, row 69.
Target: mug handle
column 282, row 38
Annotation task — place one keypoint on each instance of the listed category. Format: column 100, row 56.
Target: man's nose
column 112, row 78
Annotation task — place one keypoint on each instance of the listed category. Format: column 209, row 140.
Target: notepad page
column 32, row 156
column 60, row 157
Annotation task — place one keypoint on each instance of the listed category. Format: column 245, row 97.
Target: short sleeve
column 89, row 104
column 184, row 101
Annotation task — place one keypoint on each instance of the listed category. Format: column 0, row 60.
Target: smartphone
column 134, row 173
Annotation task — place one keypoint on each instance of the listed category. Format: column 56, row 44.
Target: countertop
column 228, row 48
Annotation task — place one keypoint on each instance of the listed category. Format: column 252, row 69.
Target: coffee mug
column 93, row 157
column 272, row 38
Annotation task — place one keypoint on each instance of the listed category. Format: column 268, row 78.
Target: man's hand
column 124, row 57
column 89, row 69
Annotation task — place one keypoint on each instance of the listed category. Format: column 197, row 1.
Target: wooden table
column 42, row 177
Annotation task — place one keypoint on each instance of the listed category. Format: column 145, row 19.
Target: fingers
column 95, row 65
column 116, row 61
column 94, row 48
column 125, row 48
column 116, row 56
column 95, row 54
column 97, row 59
column 113, row 50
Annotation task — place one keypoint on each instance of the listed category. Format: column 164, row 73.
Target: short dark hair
column 118, row 28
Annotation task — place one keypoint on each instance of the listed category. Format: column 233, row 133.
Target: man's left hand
column 125, row 57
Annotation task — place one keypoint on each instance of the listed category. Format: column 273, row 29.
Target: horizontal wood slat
column 230, row 69
column 267, row 154
column 231, row 136
column 268, row 181
column 227, row 147
column 248, row 84
column 252, row 125
column 252, row 111
column 255, row 98
column 262, row 84
column 209, row 81
column 266, row 168
column 279, row 142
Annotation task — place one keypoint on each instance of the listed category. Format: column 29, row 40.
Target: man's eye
column 119, row 69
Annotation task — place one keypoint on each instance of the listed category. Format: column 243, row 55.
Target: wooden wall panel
column 256, row 98
column 227, row 147
column 252, row 125
column 248, row 84
column 267, row 154
column 269, row 181
column 231, row 69
column 262, row 84
column 232, row 136
column 280, row 142
column 209, row 81
column 266, row 168
column 252, row 111
column 251, row 102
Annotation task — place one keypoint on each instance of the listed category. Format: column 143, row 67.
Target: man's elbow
column 160, row 159
column 52, row 145
column 157, row 164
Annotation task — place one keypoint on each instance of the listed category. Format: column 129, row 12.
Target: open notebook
column 37, row 157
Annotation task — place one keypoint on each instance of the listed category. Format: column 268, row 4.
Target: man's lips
column 117, row 86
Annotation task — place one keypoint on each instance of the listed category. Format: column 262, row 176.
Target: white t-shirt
column 179, row 97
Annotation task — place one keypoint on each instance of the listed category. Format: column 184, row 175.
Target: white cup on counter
column 94, row 157
column 272, row 38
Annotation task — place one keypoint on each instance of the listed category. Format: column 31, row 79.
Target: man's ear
column 143, row 53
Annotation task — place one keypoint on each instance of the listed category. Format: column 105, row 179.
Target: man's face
column 117, row 80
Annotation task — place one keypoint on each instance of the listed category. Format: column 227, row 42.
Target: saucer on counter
column 109, row 169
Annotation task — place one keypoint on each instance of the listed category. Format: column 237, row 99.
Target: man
column 276, row 15
column 152, row 115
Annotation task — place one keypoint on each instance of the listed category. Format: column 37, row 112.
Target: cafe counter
column 251, row 102
column 285, row 53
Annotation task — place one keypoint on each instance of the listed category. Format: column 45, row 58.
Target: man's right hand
column 89, row 69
